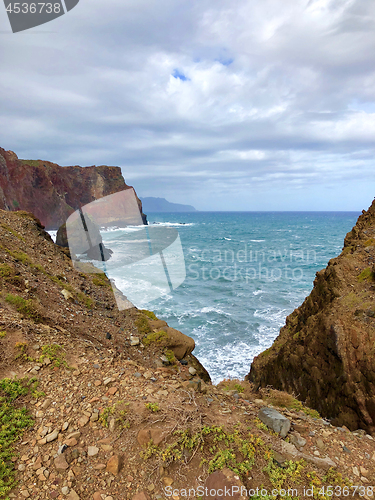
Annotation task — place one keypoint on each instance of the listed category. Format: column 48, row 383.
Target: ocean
column 245, row 273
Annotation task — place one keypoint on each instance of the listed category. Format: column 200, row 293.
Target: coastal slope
column 100, row 403
column 52, row 192
column 325, row 353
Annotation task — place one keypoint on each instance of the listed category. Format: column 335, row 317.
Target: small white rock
column 92, row 451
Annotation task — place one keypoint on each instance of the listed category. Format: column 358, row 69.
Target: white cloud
column 193, row 98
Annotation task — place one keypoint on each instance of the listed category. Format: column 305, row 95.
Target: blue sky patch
column 178, row 74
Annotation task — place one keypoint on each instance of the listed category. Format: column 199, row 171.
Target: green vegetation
column 81, row 297
column 32, row 163
column 25, row 259
column 169, row 354
column 239, row 388
column 322, row 485
column 258, row 423
column 152, row 407
column 12, row 231
column 142, row 325
column 20, row 256
column 13, row 422
column 158, row 337
column 266, row 353
column 54, row 354
column 119, row 410
column 150, row 314
column 285, row 400
column 242, row 451
column 101, row 279
column 224, row 449
column 367, row 274
column 104, row 416
column 21, row 348
column 25, row 307
column 2, row 334
column 370, row 242
column 121, row 419
column 232, row 385
column 6, row 271
column 279, row 476
column 40, row 268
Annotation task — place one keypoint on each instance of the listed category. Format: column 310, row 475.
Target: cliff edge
column 97, row 403
column 325, row 353
column 52, row 192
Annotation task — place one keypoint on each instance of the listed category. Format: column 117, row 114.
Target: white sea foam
column 205, row 310
column 178, row 224
column 257, row 241
column 53, row 235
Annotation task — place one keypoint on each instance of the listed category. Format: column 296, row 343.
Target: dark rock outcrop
column 52, row 192
column 325, row 354
column 92, row 246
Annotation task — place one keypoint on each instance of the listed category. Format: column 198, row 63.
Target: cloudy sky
column 223, row 104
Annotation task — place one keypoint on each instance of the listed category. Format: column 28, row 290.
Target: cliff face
column 52, row 192
column 325, row 354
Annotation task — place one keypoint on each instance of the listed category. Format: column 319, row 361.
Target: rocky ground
column 121, row 409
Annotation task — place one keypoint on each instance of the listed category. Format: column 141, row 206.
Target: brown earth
column 325, row 354
column 52, row 192
column 94, row 385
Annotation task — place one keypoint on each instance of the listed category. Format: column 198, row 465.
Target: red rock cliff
column 52, row 192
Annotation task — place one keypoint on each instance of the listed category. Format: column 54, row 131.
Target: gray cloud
column 277, row 108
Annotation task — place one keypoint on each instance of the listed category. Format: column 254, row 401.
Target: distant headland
column 152, row 204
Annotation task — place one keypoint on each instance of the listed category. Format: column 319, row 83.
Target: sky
column 221, row 104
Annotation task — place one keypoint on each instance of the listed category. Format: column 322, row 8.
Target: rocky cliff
column 97, row 403
column 52, row 192
column 325, row 354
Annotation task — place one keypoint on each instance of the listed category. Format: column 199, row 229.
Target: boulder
column 274, row 420
column 80, row 241
column 114, row 465
column 296, row 439
column 178, row 342
column 224, row 484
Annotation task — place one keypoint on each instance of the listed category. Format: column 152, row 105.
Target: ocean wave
column 53, row 235
column 208, row 309
column 258, row 241
column 271, row 315
column 172, row 224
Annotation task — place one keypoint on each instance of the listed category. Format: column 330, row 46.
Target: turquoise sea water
column 245, row 272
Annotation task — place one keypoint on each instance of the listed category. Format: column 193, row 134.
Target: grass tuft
column 13, row 422
column 150, row 314
column 158, row 337
column 367, row 274
column 25, row 307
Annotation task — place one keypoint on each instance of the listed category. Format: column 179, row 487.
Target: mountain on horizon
column 151, row 204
